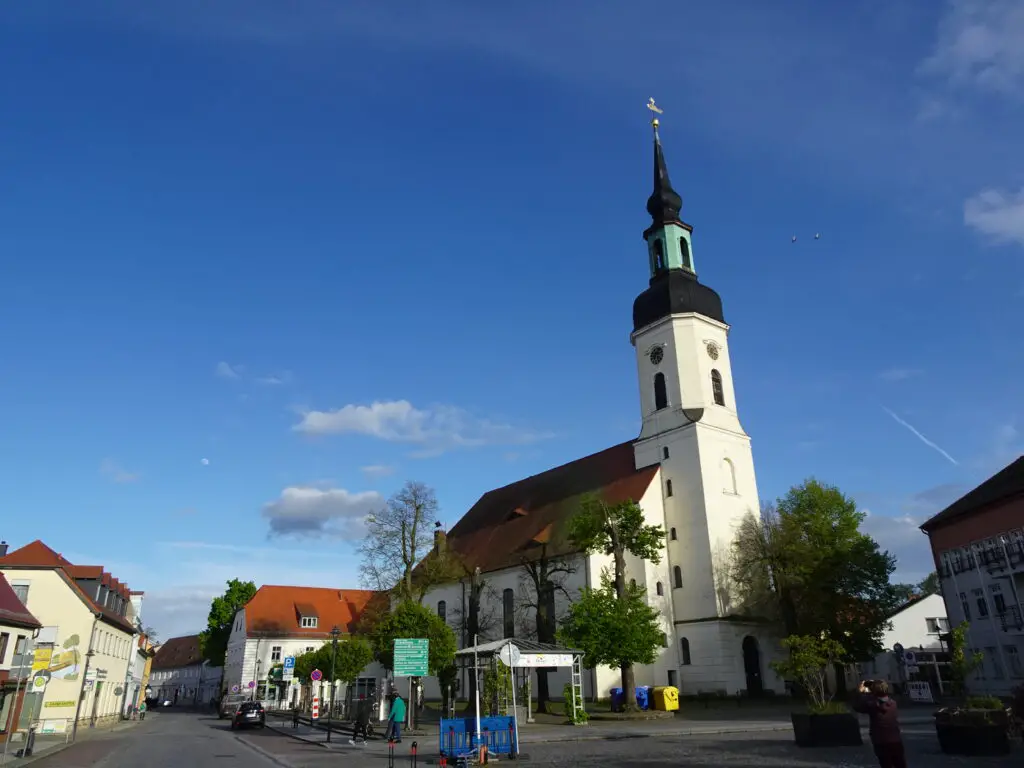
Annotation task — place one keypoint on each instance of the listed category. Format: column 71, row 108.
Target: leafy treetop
column 213, row 641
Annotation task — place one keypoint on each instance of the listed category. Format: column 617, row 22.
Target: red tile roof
column 502, row 527
column 178, row 652
column 276, row 611
column 37, row 555
column 12, row 611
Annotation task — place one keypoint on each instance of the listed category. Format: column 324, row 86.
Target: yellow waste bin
column 666, row 698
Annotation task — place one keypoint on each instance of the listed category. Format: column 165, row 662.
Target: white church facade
column 691, row 470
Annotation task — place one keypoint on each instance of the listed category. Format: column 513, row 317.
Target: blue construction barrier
column 456, row 736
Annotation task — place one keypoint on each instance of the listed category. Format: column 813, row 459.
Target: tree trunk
column 543, row 692
column 628, row 679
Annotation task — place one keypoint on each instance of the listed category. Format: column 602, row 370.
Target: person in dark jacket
column 883, row 715
column 362, row 721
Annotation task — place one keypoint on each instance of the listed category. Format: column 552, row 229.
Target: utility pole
column 334, row 658
column 81, row 696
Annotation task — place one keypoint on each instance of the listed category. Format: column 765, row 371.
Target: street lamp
column 81, row 695
column 334, row 657
column 256, row 680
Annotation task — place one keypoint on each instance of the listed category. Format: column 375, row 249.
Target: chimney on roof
column 440, row 538
column 3, row 548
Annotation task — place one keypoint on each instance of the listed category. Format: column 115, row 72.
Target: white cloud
column 998, row 215
column 307, row 511
column 114, row 471
column 913, row 430
column 981, row 43
column 275, row 379
column 902, row 537
column 377, row 470
column 204, row 462
column 435, row 429
column 228, row 371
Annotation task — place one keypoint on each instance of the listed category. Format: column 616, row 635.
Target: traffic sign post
column 411, row 657
column 316, row 675
column 288, row 670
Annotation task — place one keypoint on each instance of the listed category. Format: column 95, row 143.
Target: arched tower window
column 684, row 252
column 684, row 647
column 716, row 387
column 659, row 256
column 729, row 472
column 677, row 577
column 672, row 534
column 659, row 588
column 508, row 606
column 442, row 610
column 660, row 392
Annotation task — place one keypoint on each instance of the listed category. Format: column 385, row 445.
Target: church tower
column 691, row 428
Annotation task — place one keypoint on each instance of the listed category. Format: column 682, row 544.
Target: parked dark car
column 249, row 713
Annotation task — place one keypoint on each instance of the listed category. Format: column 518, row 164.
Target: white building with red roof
column 89, row 628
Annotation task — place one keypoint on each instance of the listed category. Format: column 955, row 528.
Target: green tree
column 962, row 664
column 354, row 653
column 615, row 530
column 213, row 641
column 929, row 585
column 806, row 564
column 543, row 577
column 412, row 620
column 613, row 631
column 808, row 660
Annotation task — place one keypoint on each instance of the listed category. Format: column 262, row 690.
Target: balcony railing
column 1011, row 619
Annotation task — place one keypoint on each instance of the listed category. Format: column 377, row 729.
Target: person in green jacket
column 396, row 718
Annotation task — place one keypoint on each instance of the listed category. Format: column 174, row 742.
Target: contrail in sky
column 921, row 437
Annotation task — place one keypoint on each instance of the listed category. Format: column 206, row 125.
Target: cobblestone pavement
column 737, row 750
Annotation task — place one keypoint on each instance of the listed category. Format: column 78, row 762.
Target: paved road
column 181, row 739
column 168, row 739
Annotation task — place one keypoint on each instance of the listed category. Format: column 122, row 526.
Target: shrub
column 809, row 657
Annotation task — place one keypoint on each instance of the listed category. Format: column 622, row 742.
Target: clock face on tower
column 712, row 350
column 657, row 355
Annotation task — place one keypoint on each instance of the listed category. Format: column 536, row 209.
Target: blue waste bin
column 618, row 700
column 643, row 696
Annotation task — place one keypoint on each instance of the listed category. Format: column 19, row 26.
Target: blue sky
column 229, row 230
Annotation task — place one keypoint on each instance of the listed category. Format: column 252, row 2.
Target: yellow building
column 90, row 635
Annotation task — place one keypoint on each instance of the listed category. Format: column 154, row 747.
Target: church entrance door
column 752, row 666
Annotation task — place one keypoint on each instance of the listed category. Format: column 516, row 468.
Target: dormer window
column 308, row 622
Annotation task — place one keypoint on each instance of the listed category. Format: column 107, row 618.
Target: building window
column 309, row 622
column 21, row 590
column 659, row 588
column 660, row 393
column 1013, row 659
column 659, row 256
column 664, row 640
column 668, row 487
column 992, row 653
column 5, row 638
column 508, row 605
column 672, row 534
column 729, row 470
column 684, row 252
column 664, row 452
column 442, row 610
column 979, row 599
column 966, row 606
column 677, row 577
column 672, row 678
column 684, row 646
column 716, row 387
column 937, row 625
column 998, row 601
column 275, row 653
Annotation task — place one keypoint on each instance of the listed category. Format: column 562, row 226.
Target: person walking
column 873, row 700
column 396, row 718
column 142, row 711
column 362, row 721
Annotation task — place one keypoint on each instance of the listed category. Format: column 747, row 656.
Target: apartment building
column 88, row 639
column 18, row 628
column 181, row 675
column 978, row 546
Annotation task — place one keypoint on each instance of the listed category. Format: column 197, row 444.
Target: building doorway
column 752, row 666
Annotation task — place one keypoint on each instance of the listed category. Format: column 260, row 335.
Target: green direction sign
column 411, row 657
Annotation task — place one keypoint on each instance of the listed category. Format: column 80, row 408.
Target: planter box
column 832, row 730
column 973, row 738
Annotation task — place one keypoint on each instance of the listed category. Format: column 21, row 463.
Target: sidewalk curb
column 275, row 759
column 17, row 761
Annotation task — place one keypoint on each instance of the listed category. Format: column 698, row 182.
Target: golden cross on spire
column 656, row 110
